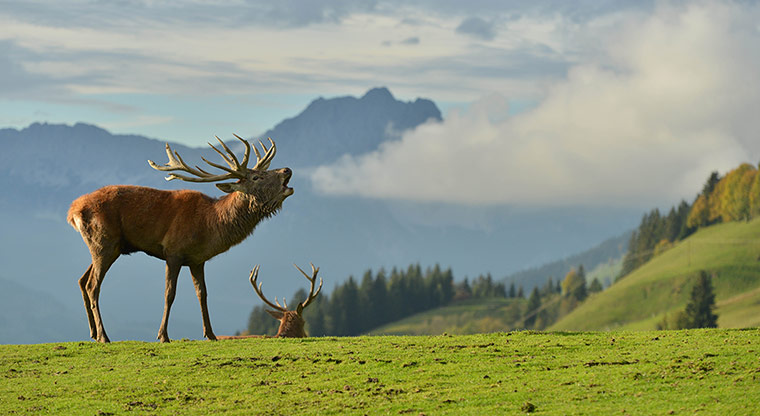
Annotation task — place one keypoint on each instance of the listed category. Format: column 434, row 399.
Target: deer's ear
column 299, row 309
column 226, row 187
column 275, row 314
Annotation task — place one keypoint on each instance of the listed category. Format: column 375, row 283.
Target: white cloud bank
column 673, row 96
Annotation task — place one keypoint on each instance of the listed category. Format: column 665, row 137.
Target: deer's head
column 266, row 188
column 291, row 322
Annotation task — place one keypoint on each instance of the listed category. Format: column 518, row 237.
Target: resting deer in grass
column 291, row 322
column 184, row 228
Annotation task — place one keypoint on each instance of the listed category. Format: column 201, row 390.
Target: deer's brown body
column 184, row 228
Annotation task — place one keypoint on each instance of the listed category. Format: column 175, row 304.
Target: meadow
column 705, row 371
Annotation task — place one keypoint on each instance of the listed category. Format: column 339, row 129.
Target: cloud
column 203, row 13
column 671, row 97
column 477, row 27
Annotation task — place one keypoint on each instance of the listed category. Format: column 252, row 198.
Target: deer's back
column 138, row 218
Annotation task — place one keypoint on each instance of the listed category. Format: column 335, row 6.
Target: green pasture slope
column 714, row 372
column 472, row 316
column 663, row 285
column 477, row 316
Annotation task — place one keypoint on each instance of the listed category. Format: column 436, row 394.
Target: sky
column 545, row 103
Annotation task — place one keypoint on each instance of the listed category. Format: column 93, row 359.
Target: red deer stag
column 291, row 322
column 184, row 228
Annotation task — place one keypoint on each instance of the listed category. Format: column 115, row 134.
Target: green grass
column 663, row 285
column 675, row 372
column 471, row 316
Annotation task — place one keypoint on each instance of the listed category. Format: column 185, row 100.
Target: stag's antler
column 236, row 169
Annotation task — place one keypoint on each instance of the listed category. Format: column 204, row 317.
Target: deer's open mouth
column 287, row 190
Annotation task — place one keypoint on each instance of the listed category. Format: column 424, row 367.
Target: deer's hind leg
column 86, row 297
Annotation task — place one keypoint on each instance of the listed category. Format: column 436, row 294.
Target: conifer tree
column 595, row 286
column 574, row 284
column 699, row 310
column 534, row 303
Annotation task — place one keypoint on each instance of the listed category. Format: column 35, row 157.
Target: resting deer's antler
column 252, row 278
column 312, row 279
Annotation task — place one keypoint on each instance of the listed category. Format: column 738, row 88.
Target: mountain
column 45, row 166
column 330, row 128
column 663, row 285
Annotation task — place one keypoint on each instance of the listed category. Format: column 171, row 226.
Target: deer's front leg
column 199, row 280
column 172, row 272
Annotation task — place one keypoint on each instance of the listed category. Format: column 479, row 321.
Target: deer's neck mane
column 235, row 215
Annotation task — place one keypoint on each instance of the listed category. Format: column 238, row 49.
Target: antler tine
column 312, row 279
column 229, row 157
column 252, row 278
column 262, row 163
column 176, row 163
column 232, row 171
column 271, row 152
column 247, row 153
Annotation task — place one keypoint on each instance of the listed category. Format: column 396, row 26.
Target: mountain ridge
column 367, row 122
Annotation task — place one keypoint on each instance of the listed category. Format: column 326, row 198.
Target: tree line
column 354, row 308
column 734, row 197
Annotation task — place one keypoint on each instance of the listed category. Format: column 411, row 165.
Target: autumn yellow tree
column 754, row 197
column 734, row 198
column 699, row 216
column 574, row 284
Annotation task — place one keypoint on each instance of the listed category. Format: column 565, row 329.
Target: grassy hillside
column 472, row 316
column 671, row 372
column 663, row 285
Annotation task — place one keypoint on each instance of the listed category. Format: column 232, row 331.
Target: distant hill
column 45, row 165
column 330, row 128
column 608, row 252
column 663, row 285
